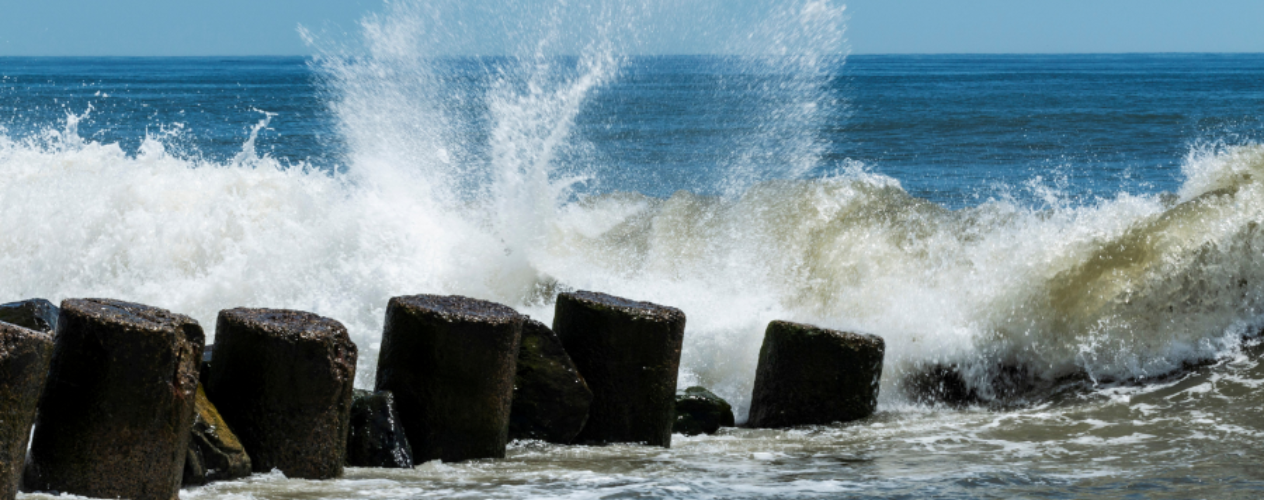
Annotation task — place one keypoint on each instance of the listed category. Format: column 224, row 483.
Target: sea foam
column 434, row 200
column 1128, row 287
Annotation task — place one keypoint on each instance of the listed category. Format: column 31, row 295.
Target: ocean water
column 1075, row 237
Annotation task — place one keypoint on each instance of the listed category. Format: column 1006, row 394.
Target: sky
column 270, row 27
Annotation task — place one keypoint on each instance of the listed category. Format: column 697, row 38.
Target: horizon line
column 314, row 56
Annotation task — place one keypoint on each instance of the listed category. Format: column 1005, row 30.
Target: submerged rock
column 283, row 380
column 699, row 411
column 940, row 384
column 629, row 353
column 215, row 454
column 36, row 314
column 24, row 358
column 1001, row 385
column 551, row 398
column 115, row 418
column 450, row 361
column 810, row 376
column 377, row 439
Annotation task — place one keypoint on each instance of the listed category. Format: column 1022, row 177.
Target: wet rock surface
column 451, row 361
column 118, row 406
column 377, row 439
column 699, row 411
column 215, row 454
column 629, row 353
column 24, row 359
column 282, row 380
column 812, row 376
column 1004, row 386
column 551, row 398
column 204, row 373
column 940, row 384
column 36, row 314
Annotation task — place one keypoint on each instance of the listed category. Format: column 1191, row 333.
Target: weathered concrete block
column 377, row 438
column 215, row 454
column 36, row 314
column 115, row 418
column 551, row 398
column 24, row 358
column 283, row 381
column 810, row 376
column 450, row 362
column 629, row 353
column 699, row 411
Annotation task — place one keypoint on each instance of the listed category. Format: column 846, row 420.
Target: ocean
column 1075, row 237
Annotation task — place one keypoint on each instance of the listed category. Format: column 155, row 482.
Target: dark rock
column 115, row 418
column 629, row 353
column 24, row 360
column 215, row 454
column 940, row 384
column 205, row 372
column 377, row 438
column 811, row 376
column 450, row 362
column 36, row 314
column 283, row 381
column 699, row 411
column 1003, row 386
column 551, row 398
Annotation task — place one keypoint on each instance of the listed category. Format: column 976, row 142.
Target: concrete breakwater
column 112, row 388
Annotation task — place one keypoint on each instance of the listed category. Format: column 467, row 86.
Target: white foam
column 1128, row 287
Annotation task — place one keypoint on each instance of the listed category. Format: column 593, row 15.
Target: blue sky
column 269, row 27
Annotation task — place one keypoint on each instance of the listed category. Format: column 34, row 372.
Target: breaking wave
column 436, row 199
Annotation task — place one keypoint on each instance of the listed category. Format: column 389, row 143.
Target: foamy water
column 1130, row 287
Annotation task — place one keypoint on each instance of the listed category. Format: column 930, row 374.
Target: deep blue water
column 954, row 129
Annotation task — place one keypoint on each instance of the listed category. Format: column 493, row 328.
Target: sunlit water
column 1089, row 223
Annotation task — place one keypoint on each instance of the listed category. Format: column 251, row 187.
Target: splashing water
column 248, row 154
column 464, row 176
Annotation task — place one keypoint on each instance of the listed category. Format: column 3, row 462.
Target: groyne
column 124, row 413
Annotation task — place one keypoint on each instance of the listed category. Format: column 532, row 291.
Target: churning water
column 1075, row 238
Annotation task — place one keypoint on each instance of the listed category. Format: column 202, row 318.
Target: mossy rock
column 377, row 438
column 24, row 359
column 809, row 375
column 215, row 453
column 450, row 361
column 629, row 353
column 551, row 398
column 699, row 411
